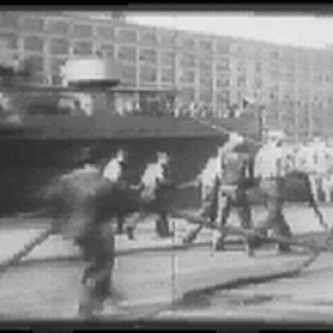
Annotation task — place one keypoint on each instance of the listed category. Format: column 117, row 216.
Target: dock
column 150, row 273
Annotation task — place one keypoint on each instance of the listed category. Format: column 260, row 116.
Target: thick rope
column 15, row 259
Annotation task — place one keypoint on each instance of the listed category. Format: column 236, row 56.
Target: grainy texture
column 141, row 281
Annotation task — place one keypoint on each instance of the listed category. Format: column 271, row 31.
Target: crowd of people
column 88, row 207
column 316, row 159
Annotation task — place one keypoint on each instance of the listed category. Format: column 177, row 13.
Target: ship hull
column 29, row 165
column 41, row 148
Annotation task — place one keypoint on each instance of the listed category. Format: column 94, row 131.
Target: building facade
column 294, row 85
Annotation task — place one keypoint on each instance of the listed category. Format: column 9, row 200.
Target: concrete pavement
column 143, row 282
column 15, row 234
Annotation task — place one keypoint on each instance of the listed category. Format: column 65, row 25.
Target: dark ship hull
column 39, row 149
column 29, row 165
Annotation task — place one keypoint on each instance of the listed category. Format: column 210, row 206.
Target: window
column 223, row 64
column 206, row 46
column 56, row 64
column 274, row 70
column 188, row 76
column 33, row 24
column 304, row 64
column 303, row 94
column 317, row 78
column 148, row 55
column 240, row 81
column 205, row 65
column 223, row 96
column 82, row 48
column 239, row 97
column 222, row 48
column 8, row 20
column 206, row 81
column 290, row 65
column 148, row 74
column 107, row 50
column 167, row 75
column 106, row 47
column 105, row 32
column 223, row 82
column 274, row 92
column 258, row 67
column 167, row 58
column 58, row 27
column 188, row 60
column 274, row 54
column 127, row 36
column 317, row 64
column 258, row 53
column 240, row 66
column 206, row 78
column 167, row 40
column 127, row 53
column 11, row 39
column 59, row 46
column 82, row 30
column 148, row 38
column 305, row 76
column 257, row 82
column 206, row 96
column 238, row 49
column 34, row 43
column 56, row 80
column 188, row 44
column 128, row 74
column 291, row 77
column 40, row 79
column 328, row 77
column 37, row 63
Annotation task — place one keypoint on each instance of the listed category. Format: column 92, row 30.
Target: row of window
column 78, row 30
column 81, row 30
column 59, row 46
column 187, row 95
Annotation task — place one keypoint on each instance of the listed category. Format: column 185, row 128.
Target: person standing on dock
column 156, row 181
column 270, row 167
column 162, row 196
column 235, row 173
column 80, row 202
column 115, row 171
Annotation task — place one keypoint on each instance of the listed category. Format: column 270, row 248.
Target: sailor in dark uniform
column 80, row 202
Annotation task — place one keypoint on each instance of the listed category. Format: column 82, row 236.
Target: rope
column 14, row 259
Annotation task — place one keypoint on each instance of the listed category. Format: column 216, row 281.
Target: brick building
column 293, row 84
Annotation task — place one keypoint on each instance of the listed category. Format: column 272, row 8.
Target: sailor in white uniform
column 270, row 166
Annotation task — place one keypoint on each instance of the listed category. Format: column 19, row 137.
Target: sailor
column 115, row 171
column 235, row 174
column 270, row 167
column 162, row 193
column 76, row 198
column 156, row 182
